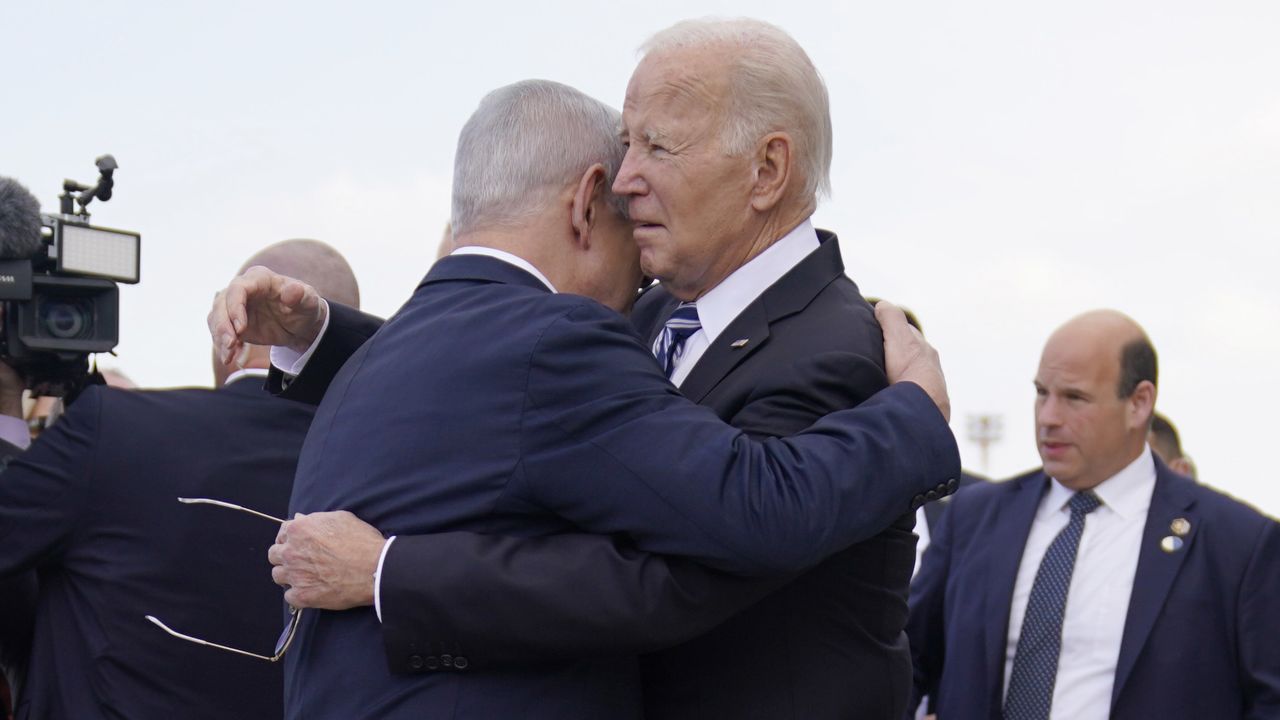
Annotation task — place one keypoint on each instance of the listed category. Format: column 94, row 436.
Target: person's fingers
column 275, row 554
column 280, row 576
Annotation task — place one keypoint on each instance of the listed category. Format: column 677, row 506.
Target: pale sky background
column 999, row 167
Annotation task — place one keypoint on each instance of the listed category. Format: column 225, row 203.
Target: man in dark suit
column 721, row 184
column 1103, row 585
column 89, row 515
column 784, row 337
column 510, row 379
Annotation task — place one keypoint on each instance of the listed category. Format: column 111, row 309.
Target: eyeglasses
column 286, row 637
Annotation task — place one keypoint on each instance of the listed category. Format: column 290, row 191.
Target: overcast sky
column 999, row 167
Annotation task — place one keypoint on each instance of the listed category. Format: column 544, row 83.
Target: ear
column 1142, row 403
column 590, row 190
column 772, row 171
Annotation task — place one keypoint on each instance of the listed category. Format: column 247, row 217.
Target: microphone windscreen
column 19, row 221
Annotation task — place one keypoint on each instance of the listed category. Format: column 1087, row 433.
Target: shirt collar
column 244, row 373
column 724, row 302
column 1127, row 493
column 506, row 257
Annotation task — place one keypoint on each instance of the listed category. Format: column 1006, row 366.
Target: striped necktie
column 1035, row 663
column 669, row 345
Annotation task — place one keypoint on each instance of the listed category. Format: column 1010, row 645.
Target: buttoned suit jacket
column 828, row 643
column 91, row 511
column 1200, row 634
column 477, row 318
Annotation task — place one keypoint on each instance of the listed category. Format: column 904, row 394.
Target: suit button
column 460, row 663
column 953, row 485
column 415, row 662
column 916, row 502
column 446, row 660
column 433, row 663
column 931, row 495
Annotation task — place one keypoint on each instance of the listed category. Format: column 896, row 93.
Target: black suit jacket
column 487, row 404
column 1200, row 635
column 91, row 511
column 828, row 645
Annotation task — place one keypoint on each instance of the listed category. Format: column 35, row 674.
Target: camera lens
column 66, row 319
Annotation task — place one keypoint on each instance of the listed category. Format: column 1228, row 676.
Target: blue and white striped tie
column 669, row 345
column 1035, row 663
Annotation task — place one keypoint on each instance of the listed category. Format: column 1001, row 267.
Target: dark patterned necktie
column 669, row 345
column 1035, row 664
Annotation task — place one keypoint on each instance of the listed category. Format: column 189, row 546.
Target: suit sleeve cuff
column 377, row 578
column 288, row 360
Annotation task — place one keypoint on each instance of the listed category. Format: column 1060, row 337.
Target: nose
column 1047, row 414
column 629, row 181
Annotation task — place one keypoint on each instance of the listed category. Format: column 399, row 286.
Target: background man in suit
column 1104, row 585
column 604, row 407
column 90, row 510
column 1167, row 446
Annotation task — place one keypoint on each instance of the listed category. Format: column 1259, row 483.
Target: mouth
column 1052, row 449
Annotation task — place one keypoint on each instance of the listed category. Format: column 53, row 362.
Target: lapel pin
column 1171, row 544
column 1180, row 526
column 741, row 343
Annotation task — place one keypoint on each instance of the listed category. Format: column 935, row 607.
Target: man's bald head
column 315, row 264
column 310, row 261
column 1108, row 332
column 1095, row 395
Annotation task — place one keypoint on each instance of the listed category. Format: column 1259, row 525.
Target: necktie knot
column 669, row 345
column 1083, row 503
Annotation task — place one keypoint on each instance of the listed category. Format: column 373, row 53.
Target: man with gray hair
column 728, row 137
column 497, row 402
column 729, row 142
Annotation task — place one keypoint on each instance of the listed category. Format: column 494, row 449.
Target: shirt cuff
column 15, row 431
column 377, row 578
column 289, row 361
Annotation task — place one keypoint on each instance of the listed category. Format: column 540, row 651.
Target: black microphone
column 19, row 221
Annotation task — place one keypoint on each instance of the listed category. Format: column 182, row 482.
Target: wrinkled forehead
column 1075, row 358
column 681, row 78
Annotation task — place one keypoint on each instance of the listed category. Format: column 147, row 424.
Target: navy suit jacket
column 91, row 510
column 488, row 404
column 1201, row 635
column 830, row 644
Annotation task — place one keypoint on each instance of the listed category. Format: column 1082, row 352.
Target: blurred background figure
column 95, row 539
column 1164, row 442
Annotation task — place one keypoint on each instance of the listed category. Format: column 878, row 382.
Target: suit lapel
column 1171, row 499
column 1014, row 520
column 788, row 296
column 721, row 357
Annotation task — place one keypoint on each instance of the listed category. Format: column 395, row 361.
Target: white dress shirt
column 1098, row 599
column 726, row 301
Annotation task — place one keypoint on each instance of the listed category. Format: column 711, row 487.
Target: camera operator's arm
column 262, row 307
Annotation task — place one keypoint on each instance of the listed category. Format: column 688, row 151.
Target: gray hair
column 525, row 142
column 773, row 86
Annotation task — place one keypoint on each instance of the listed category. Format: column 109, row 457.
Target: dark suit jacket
column 488, row 404
column 1200, row 637
column 91, row 508
column 933, row 510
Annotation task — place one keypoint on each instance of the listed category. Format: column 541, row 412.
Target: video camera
column 58, row 283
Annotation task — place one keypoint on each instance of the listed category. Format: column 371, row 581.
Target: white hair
column 524, row 143
column 773, row 86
